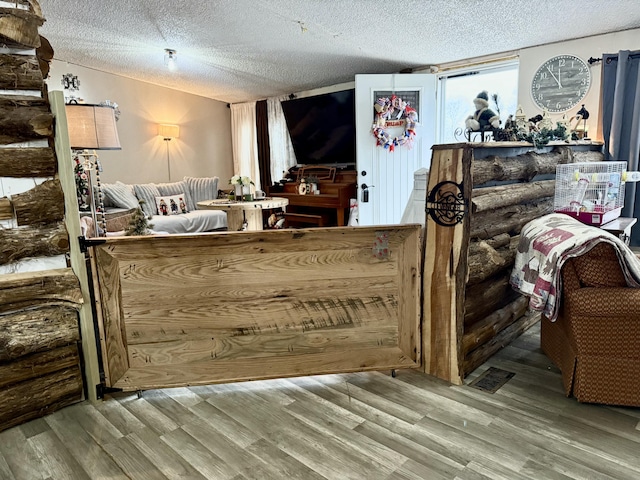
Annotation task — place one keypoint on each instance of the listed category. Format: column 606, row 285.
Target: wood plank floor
column 354, row 426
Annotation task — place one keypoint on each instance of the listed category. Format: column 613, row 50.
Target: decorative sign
column 70, row 82
column 446, row 204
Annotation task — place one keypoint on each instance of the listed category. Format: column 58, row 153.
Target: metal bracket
column 446, row 204
column 85, row 242
column 102, row 389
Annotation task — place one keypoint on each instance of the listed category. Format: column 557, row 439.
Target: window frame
column 502, row 65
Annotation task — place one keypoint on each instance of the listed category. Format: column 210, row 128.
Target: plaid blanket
column 545, row 244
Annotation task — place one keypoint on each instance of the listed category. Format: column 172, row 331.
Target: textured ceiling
column 241, row 50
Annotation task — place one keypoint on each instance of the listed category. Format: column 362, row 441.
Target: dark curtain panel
column 264, row 155
column 621, row 122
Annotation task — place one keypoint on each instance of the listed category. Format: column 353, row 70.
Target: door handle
column 365, row 192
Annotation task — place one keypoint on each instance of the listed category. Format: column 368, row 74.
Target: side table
column 620, row 227
column 239, row 213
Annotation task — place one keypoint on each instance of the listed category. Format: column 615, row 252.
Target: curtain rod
column 592, row 60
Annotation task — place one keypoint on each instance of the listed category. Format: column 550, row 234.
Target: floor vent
column 492, row 379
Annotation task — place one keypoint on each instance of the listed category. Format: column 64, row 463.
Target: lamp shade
column 169, row 131
column 92, row 127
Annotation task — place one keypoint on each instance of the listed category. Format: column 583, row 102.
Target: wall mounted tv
column 323, row 128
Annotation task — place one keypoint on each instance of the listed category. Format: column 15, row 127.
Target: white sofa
column 184, row 217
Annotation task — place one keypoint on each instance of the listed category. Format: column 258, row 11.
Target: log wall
column 39, row 334
column 470, row 309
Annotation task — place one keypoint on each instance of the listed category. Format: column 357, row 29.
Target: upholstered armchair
column 595, row 341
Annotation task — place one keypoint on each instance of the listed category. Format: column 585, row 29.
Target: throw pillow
column 202, row 188
column 176, row 188
column 171, row 204
column 118, row 195
column 147, row 193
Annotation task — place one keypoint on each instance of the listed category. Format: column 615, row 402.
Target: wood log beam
column 486, row 261
column 20, row 72
column 499, row 240
column 490, row 198
column 28, row 162
column 481, row 354
column 23, row 242
column 24, row 118
column 579, row 156
column 46, row 328
column 509, row 219
column 484, row 298
column 20, row 27
column 39, row 396
column 27, row 290
column 38, row 364
column 6, row 209
column 42, row 204
column 519, row 168
column 483, row 331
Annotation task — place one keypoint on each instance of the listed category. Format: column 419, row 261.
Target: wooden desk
column 620, row 227
column 240, row 212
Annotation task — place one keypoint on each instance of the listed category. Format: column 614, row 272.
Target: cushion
column 600, row 267
column 202, row 188
column 147, row 193
column 118, row 195
column 171, row 204
column 119, row 220
column 176, row 188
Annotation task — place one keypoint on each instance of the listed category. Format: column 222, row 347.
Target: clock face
column 560, row 83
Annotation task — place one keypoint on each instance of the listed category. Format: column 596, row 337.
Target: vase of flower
column 246, row 193
column 242, row 187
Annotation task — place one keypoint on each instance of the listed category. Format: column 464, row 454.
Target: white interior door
column 389, row 175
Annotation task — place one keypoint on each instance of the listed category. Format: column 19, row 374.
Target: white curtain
column 244, row 141
column 281, row 148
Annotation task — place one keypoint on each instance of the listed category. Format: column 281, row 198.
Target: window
column 458, row 88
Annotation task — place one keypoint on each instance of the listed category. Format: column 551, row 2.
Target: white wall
column 204, row 146
column 532, row 58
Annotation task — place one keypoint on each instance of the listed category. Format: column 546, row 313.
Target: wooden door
column 389, row 175
column 210, row 308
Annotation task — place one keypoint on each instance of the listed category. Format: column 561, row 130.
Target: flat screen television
column 323, row 128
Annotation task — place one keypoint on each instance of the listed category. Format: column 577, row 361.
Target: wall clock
column 560, row 83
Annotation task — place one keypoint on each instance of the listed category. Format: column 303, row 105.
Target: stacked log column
column 494, row 313
column 39, row 354
column 471, row 311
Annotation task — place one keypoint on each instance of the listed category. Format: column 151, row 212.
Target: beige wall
column 204, row 146
column 532, row 58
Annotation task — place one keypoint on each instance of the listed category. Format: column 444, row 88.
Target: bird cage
column 591, row 192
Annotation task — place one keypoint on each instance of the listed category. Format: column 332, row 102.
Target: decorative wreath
column 393, row 112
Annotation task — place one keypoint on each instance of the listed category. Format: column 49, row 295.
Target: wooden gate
column 211, row 308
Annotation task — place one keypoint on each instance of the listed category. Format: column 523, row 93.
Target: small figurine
column 521, row 119
column 162, row 207
column 546, row 121
column 484, row 117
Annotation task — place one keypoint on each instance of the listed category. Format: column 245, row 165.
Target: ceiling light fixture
column 170, row 58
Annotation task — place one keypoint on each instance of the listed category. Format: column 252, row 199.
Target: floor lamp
column 168, row 132
column 91, row 128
